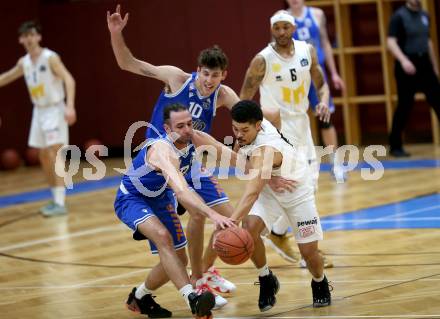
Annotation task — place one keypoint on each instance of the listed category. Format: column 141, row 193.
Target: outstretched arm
column 232, row 158
column 11, row 75
column 162, row 157
column 227, row 97
column 61, row 71
column 254, row 186
column 128, row 62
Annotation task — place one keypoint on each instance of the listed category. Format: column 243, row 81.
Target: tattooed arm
column 321, row 85
column 254, row 77
column 171, row 75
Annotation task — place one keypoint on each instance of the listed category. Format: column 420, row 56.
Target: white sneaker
column 217, row 282
column 202, row 286
column 339, row 174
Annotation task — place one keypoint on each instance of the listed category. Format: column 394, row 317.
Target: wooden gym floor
column 387, row 258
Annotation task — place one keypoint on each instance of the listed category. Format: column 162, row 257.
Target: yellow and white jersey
column 44, row 87
column 294, row 166
column 287, row 81
column 286, row 85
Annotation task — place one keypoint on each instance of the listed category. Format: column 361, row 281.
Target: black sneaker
column 269, row 287
column 321, row 293
column 146, row 306
column 201, row 305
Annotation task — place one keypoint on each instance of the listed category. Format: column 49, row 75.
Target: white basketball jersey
column 44, row 87
column 286, row 85
column 294, row 166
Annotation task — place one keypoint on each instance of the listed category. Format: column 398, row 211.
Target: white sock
column 185, row 291
column 59, row 195
column 263, row 271
column 211, row 269
column 319, row 279
column 332, row 158
column 142, row 291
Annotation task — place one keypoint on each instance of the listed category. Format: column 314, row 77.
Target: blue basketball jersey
column 307, row 29
column 202, row 108
column 142, row 179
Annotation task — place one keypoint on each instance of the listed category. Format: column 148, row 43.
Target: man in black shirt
column 416, row 68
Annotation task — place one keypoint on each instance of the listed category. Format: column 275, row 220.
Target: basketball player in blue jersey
column 146, row 203
column 202, row 93
column 311, row 27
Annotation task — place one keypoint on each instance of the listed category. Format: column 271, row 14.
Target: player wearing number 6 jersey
column 202, row 93
column 283, row 72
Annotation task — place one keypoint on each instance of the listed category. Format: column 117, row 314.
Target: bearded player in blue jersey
column 146, row 203
column 202, row 93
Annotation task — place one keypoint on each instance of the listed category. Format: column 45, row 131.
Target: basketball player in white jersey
column 311, row 27
column 283, row 72
column 270, row 154
column 49, row 84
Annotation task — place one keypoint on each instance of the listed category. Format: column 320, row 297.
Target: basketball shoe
column 217, row 282
column 321, row 293
column 201, row 304
column 53, row 209
column 269, row 287
column 202, row 286
column 146, row 306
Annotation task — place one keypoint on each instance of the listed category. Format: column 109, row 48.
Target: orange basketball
column 10, row 159
column 233, row 245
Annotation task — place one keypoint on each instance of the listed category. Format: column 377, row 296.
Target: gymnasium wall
column 108, row 99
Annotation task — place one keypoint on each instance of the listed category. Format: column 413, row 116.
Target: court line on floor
column 251, row 283
column 113, row 181
column 361, row 293
column 384, row 219
column 46, row 240
column 330, row 220
column 290, row 266
column 129, row 274
column 380, row 219
column 332, row 317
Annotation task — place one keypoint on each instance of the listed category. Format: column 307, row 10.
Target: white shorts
column 48, row 126
column 298, row 207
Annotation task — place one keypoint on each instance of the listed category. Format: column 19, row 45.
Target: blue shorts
column 206, row 185
column 133, row 210
column 313, row 95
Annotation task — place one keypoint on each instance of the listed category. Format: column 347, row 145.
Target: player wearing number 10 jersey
column 202, row 92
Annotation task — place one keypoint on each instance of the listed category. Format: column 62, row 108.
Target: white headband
column 282, row 16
